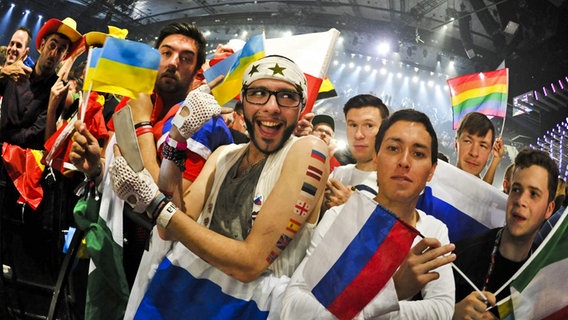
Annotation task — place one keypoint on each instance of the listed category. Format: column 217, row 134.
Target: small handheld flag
column 357, row 256
column 233, row 67
column 484, row 92
column 124, row 67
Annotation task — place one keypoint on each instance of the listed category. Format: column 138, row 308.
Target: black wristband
column 156, row 206
column 142, row 123
column 177, row 156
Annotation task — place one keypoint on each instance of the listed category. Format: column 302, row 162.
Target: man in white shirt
column 407, row 148
column 363, row 115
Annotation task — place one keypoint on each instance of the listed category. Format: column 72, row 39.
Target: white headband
column 279, row 68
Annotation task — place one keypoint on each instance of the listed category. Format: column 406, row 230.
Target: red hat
column 67, row 27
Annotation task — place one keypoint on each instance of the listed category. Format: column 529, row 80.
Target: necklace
column 247, row 165
column 493, row 256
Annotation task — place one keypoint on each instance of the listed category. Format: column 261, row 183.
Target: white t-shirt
column 438, row 295
column 348, row 175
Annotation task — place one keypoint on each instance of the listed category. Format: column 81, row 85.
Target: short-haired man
column 406, row 159
column 246, row 194
column 182, row 49
column 324, row 128
column 24, row 104
column 475, row 139
column 363, row 115
column 492, row 258
column 17, row 51
column 507, row 178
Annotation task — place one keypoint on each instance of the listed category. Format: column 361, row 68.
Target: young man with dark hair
column 182, row 49
column 239, row 213
column 490, row 259
column 475, row 140
column 324, row 128
column 363, row 115
column 406, row 158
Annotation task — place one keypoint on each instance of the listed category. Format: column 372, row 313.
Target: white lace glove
column 137, row 189
column 202, row 106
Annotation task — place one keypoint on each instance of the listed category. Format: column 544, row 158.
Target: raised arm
column 246, row 260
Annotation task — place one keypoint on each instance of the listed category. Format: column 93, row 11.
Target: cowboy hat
column 67, row 27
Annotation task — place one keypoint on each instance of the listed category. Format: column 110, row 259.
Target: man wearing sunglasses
column 250, row 200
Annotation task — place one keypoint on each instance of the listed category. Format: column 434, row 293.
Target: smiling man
column 490, row 259
column 250, row 200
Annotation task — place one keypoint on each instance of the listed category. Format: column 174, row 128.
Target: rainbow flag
column 239, row 61
column 357, row 256
column 125, row 68
column 484, row 92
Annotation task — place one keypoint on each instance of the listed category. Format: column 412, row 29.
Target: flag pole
column 451, row 263
column 85, row 100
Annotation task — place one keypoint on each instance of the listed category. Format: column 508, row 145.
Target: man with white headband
column 250, row 200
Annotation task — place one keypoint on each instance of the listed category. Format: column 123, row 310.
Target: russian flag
column 358, row 255
column 186, row 287
column 465, row 203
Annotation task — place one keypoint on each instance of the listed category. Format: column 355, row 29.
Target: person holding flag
column 243, row 210
column 492, row 258
column 475, row 140
column 406, row 159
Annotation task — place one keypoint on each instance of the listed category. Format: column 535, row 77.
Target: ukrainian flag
column 232, row 83
column 125, row 68
column 92, row 60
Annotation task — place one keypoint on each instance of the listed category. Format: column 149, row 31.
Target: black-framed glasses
column 260, row 96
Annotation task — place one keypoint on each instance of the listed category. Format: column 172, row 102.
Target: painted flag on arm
column 237, row 64
column 465, row 203
column 312, row 52
column 357, row 256
column 538, row 289
column 126, row 68
column 186, row 287
column 484, row 92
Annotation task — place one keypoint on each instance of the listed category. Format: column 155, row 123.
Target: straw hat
column 67, row 27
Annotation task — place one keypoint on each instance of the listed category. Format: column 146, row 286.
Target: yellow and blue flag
column 92, row 60
column 125, row 67
column 233, row 67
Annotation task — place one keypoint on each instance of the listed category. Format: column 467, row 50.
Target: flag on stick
column 124, row 67
column 327, row 90
column 538, row 290
column 357, row 256
column 466, row 204
column 484, row 92
column 235, row 65
column 312, row 52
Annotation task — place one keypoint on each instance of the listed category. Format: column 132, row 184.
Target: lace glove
column 137, row 189
column 202, row 106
